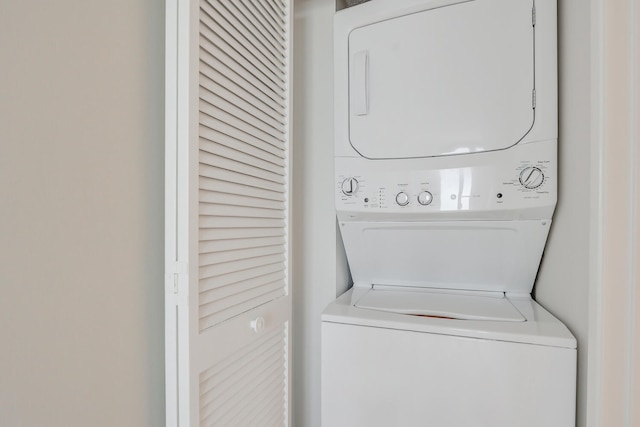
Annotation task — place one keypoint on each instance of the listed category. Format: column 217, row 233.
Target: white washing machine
column 446, row 178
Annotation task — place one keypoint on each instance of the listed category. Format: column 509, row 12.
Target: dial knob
column 350, row 186
column 402, row 198
column 425, row 198
column 531, row 177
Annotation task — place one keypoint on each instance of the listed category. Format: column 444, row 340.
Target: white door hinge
column 533, row 99
column 176, row 270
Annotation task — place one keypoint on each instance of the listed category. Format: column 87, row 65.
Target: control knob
column 425, row 198
column 350, row 186
column 402, row 198
column 531, row 177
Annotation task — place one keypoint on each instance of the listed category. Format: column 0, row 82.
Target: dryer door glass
column 451, row 80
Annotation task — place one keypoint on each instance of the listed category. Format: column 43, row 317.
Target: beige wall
column 319, row 265
column 563, row 280
column 615, row 321
column 81, row 213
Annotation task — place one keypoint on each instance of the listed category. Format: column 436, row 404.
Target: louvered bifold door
column 228, row 304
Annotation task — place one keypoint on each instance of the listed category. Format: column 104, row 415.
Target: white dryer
column 446, row 178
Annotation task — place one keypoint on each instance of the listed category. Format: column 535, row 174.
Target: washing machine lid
column 434, row 303
column 539, row 328
column 450, row 80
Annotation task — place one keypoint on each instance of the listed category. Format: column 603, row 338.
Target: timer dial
column 425, row 198
column 350, row 186
column 402, row 198
column 531, row 177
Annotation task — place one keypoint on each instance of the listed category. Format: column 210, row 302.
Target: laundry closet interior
column 562, row 281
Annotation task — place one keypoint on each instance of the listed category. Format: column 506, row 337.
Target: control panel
column 483, row 187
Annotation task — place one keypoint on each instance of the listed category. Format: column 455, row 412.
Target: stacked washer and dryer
column 446, row 182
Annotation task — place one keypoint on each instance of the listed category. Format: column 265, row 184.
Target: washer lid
column 540, row 327
column 433, row 303
column 455, row 79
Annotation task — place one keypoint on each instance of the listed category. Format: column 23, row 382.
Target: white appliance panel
column 376, row 377
column 500, row 256
column 519, row 183
column 454, row 79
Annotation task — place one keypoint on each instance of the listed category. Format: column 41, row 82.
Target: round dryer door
column 450, row 80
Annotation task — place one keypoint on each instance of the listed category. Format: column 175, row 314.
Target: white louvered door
column 228, row 303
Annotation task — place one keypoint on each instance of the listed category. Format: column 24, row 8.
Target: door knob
column 257, row 324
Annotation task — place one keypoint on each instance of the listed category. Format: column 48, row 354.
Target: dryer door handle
column 360, row 84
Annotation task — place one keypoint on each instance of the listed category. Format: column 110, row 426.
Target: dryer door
column 451, row 80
